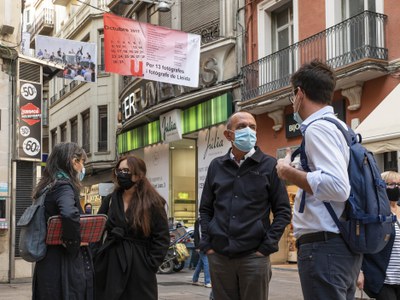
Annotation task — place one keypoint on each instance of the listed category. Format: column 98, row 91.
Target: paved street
column 285, row 285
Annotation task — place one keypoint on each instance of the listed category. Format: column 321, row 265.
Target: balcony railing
column 44, row 23
column 357, row 38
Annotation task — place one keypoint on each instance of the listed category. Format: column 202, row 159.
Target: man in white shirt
column 327, row 267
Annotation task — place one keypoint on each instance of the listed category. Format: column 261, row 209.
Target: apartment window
column 363, row 31
column 28, row 16
column 101, row 41
column 350, row 8
column 53, row 135
column 63, row 129
column 86, row 131
column 282, row 37
column 103, row 127
column 45, row 112
column 74, row 130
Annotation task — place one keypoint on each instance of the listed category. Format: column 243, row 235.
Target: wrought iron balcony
column 358, row 38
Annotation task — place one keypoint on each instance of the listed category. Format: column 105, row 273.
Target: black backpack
column 32, row 239
column 367, row 220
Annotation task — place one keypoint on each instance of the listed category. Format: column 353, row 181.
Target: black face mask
column 124, row 181
column 393, row 194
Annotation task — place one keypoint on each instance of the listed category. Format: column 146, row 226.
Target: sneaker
column 208, row 285
column 196, row 283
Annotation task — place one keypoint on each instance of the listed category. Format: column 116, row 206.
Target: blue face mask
column 297, row 118
column 82, row 174
column 245, row 139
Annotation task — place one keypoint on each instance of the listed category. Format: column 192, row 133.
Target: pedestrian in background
column 202, row 263
column 328, row 269
column 66, row 272
column 241, row 189
column 88, row 208
column 380, row 275
column 137, row 236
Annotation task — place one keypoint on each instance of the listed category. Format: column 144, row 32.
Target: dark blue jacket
column 374, row 267
column 236, row 204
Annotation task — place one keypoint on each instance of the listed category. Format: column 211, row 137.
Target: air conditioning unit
column 6, row 29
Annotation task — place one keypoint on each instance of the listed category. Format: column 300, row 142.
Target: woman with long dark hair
column 66, row 272
column 137, row 236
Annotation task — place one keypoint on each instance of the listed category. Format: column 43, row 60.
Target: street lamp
column 162, row 5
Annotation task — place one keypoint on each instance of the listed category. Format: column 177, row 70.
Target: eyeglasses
column 293, row 94
column 392, row 185
column 124, row 171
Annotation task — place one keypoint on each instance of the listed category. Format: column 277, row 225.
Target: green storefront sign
column 203, row 115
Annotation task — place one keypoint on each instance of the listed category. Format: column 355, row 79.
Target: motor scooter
column 177, row 253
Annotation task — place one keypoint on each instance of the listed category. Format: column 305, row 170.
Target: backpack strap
column 303, row 157
column 40, row 200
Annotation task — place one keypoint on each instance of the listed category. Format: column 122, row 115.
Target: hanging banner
column 30, row 121
column 152, row 52
column 78, row 59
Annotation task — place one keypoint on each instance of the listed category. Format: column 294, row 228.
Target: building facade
column 177, row 167
column 357, row 38
column 10, row 35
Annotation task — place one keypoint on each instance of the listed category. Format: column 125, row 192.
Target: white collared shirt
column 248, row 154
column 328, row 158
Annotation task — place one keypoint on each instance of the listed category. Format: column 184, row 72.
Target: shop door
column 183, row 181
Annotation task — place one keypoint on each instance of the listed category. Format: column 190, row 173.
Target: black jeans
column 243, row 278
column 389, row 292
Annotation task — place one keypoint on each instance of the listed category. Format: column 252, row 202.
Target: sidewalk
column 177, row 286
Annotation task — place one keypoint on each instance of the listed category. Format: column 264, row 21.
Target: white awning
column 380, row 130
column 50, row 69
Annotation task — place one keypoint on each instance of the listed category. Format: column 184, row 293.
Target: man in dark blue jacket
column 242, row 188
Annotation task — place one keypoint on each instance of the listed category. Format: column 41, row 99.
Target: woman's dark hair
column 61, row 160
column 317, row 80
column 148, row 199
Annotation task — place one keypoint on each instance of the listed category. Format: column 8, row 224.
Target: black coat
column 236, row 204
column 127, row 263
column 66, row 273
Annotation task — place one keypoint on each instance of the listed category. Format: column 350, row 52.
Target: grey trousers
column 243, row 278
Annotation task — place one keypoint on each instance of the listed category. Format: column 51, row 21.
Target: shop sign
column 30, row 125
column 156, row 158
column 152, row 93
column 211, row 143
column 292, row 127
column 31, row 114
column 170, row 126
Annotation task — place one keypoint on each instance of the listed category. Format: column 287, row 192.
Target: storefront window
column 183, row 181
column 390, row 161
